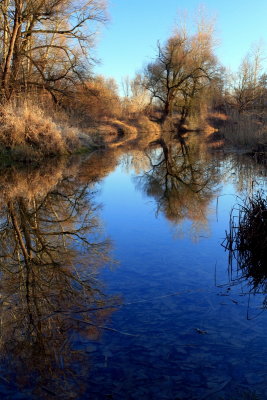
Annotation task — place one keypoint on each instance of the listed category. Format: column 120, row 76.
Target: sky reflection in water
column 163, row 321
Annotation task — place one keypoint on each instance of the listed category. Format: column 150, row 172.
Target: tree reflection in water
column 182, row 183
column 50, row 251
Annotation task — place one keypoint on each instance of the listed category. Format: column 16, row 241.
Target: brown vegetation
column 45, row 48
column 185, row 66
column 27, row 133
column 245, row 103
column 247, row 130
column 43, row 43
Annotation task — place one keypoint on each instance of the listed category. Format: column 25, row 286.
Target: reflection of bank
column 182, row 181
column 51, row 248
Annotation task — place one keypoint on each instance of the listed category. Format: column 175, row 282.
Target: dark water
column 114, row 283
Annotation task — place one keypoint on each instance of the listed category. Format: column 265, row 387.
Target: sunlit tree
column 184, row 66
column 42, row 42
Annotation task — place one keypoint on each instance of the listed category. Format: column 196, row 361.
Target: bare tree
column 43, row 40
column 184, row 65
column 246, row 88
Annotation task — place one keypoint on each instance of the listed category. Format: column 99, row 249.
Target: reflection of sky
column 130, row 39
column 144, row 240
column 192, row 339
column 194, row 343
column 126, row 212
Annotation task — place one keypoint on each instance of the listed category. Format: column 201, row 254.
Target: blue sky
column 129, row 39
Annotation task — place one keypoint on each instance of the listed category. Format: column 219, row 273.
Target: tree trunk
column 10, row 53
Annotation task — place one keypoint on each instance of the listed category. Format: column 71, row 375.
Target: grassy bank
column 28, row 133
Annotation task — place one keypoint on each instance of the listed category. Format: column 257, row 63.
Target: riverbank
column 29, row 133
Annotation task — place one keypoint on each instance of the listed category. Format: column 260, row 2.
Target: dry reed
column 246, row 240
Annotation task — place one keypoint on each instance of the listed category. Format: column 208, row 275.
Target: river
column 114, row 281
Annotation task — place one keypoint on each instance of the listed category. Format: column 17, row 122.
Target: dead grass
column 27, row 133
column 148, row 131
column 123, row 128
column 116, row 133
column 145, row 125
column 246, row 130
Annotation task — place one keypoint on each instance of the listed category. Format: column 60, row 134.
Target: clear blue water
column 160, row 317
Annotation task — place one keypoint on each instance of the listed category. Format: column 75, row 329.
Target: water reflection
column 245, row 173
column 51, row 248
column 183, row 339
column 183, row 180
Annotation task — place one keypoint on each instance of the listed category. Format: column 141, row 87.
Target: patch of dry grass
column 145, row 125
column 29, row 134
column 123, row 128
column 115, row 132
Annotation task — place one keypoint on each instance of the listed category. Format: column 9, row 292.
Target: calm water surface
column 114, row 283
